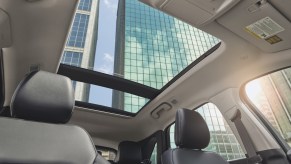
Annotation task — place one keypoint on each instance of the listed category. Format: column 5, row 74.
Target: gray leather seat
column 191, row 136
column 41, row 104
column 129, row 153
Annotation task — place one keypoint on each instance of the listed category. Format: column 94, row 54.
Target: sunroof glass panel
column 129, row 39
column 151, row 47
column 157, row 46
column 108, row 97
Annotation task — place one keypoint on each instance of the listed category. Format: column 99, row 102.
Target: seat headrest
column 128, row 153
column 191, row 130
column 44, row 97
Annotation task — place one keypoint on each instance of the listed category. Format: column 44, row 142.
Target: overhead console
column 194, row 12
column 261, row 23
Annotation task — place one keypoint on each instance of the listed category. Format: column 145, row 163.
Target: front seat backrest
column 129, row 153
column 191, row 136
column 40, row 104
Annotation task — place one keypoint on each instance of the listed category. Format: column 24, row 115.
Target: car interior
column 230, row 102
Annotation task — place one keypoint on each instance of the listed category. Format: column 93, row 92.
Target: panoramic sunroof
column 117, row 100
column 131, row 40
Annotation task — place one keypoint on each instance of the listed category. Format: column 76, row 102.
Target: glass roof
column 131, row 40
column 117, row 100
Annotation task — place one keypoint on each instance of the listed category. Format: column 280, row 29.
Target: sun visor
column 260, row 23
column 194, row 12
column 5, row 30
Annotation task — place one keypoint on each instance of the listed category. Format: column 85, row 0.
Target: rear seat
column 129, row 153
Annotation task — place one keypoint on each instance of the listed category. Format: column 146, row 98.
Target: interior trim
column 103, row 108
column 108, row 81
column 2, row 82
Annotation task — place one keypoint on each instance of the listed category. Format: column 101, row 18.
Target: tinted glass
column 271, row 94
column 131, row 40
column 130, row 103
column 154, row 156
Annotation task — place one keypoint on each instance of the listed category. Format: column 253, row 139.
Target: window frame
column 259, row 115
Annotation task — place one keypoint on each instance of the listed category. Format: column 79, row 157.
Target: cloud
column 108, row 57
column 110, row 4
column 105, row 69
column 107, row 64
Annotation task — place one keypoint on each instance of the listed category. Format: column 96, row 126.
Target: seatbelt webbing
column 253, row 157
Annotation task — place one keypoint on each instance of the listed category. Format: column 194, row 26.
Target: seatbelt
column 253, row 157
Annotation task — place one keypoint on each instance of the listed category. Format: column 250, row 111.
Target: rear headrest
column 191, row 130
column 129, row 153
column 44, row 97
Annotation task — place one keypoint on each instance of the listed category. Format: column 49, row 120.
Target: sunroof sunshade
column 142, row 44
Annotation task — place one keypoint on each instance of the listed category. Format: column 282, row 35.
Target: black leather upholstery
column 129, row 153
column 191, row 130
column 191, row 135
column 31, row 142
column 187, row 156
column 44, row 97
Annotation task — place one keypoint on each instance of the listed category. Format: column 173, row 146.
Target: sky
column 104, row 57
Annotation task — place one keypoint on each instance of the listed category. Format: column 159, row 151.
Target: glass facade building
column 152, row 48
column 81, row 43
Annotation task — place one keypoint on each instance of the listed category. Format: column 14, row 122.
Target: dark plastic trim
column 5, row 112
column 148, row 144
column 268, row 156
column 108, row 81
column 103, row 108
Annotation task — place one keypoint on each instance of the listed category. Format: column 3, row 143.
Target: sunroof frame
column 120, row 84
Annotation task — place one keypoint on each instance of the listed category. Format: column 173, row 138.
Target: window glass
column 271, row 94
column 132, row 103
column 78, row 32
column 85, row 5
column 222, row 139
column 154, row 156
column 129, row 39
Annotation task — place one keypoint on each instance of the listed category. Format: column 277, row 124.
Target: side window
column 154, row 156
column 271, row 95
column 222, row 140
